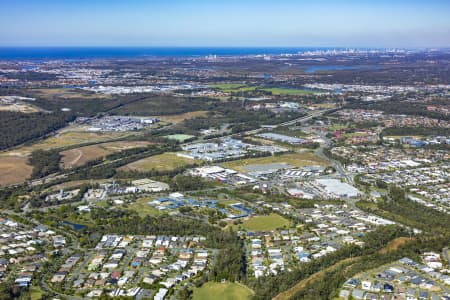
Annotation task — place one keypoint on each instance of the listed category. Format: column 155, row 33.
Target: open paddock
column 79, row 156
column 182, row 117
column 162, row 162
column 14, row 169
column 66, row 93
column 66, row 139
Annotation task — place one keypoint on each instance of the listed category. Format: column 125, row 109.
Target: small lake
column 74, row 225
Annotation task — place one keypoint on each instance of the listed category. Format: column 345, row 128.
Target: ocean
column 43, row 53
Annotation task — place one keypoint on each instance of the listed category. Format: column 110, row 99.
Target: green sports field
column 222, row 291
column 265, row 223
column 179, row 137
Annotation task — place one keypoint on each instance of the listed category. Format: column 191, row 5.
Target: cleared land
column 79, row 156
column 14, row 170
column 67, row 138
column 294, row 159
column 69, row 94
column 395, row 244
column 19, row 107
column 162, row 162
column 222, row 291
column 74, row 138
column 265, row 223
column 182, row 117
column 76, row 183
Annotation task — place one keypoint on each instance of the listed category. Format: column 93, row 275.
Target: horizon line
column 227, row 46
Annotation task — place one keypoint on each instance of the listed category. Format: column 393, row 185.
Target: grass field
column 182, row 117
column 69, row 94
column 68, row 138
column 222, row 291
column 236, row 87
column 179, row 137
column 74, row 138
column 290, row 92
column 265, row 223
column 76, row 183
column 79, row 156
column 143, row 209
column 35, row 293
column 14, row 169
column 19, row 107
column 294, row 159
column 162, row 162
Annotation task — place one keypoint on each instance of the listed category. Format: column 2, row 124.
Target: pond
column 74, row 225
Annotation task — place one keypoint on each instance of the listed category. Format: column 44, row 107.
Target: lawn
column 35, row 293
column 222, row 291
column 163, row 162
column 293, row 159
column 265, row 223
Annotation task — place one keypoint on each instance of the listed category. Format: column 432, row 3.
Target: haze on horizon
column 209, row 23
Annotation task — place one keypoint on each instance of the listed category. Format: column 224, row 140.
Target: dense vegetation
column 326, row 287
column 17, row 128
column 229, row 262
column 416, row 131
column 269, row 286
column 398, row 107
column 236, row 116
column 163, row 105
column 397, row 207
column 44, row 162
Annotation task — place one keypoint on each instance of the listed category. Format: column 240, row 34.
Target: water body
column 42, row 53
column 74, row 225
column 314, row 69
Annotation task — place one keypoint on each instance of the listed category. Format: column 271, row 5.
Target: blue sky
column 346, row 23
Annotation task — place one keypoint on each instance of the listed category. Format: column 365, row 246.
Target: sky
column 232, row 23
